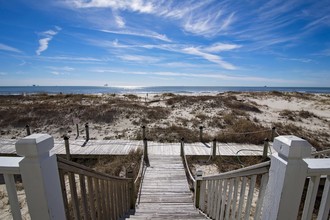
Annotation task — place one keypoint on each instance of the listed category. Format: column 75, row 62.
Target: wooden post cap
column 34, row 145
column 292, row 147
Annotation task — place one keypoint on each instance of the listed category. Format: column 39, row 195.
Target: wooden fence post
column 40, row 177
column 265, row 151
column 197, row 187
column 182, row 147
column 287, row 177
column 67, row 147
column 143, row 132
column 145, row 151
column 87, row 131
column 77, row 126
column 28, row 131
column 201, row 133
column 273, row 133
column 214, row 148
column 131, row 189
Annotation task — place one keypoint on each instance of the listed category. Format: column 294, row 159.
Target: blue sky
column 162, row 42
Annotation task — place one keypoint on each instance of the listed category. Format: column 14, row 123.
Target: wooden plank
column 224, row 198
column 310, row 197
column 250, row 196
column 241, row 198
column 83, row 195
column 233, row 212
column 91, row 197
column 230, row 197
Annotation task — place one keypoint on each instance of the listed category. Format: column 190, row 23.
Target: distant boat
column 105, row 84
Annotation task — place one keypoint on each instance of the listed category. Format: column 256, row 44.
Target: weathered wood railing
column 231, row 195
column 94, row 195
column 321, row 154
column 190, row 176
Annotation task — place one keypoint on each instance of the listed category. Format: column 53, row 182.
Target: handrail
column 140, row 169
column 98, row 194
column 246, row 171
column 8, row 167
column 189, row 171
column 319, row 153
column 81, row 169
column 191, row 177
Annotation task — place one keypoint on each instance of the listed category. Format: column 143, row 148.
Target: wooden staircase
column 165, row 192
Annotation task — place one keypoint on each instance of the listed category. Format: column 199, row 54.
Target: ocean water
column 19, row 90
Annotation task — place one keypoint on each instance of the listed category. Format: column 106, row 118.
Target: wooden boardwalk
column 123, row 147
column 165, row 193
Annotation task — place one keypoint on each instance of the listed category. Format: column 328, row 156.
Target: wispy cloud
column 60, row 68
column 302, row 60
column 210, row 57
column 139, row 58
column 9, row 48
column 56, row 73
column 218, row 47
column 196, row 17
column 72, row 59
column 145, row 33
column 47, row 36
column 3, row 74
column 140, row 6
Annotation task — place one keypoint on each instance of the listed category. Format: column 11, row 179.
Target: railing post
column 145, row 151
column 131, row 189
column 201, row 133
column 28, row 131
column 67, row 147
column 143, row 132
column 87, row 131
column 182, row 147
column 40, row 177
column 265, row 151
column 287, row 177
column 77, row 127
column 214, row 148
column 273, row 133
column 197, row 187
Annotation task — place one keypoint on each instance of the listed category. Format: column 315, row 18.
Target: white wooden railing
column 231, row 195
column 8, row 167
column 245, row 193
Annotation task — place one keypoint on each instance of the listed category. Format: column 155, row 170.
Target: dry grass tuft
column 237, row 129
column 115, row 165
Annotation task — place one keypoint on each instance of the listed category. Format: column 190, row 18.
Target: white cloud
column 47, row 37
column 140, row 6
column 3, row 74
column 207, row 24
column 217, row 47
column 59, row 68
column 303, row 60
column 210, row 57
column 148, row 34
column 56, row 73
column 138, row 58
column 9, row 48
